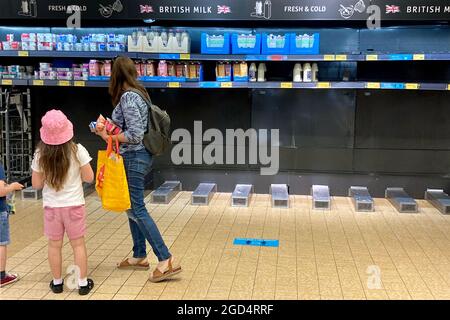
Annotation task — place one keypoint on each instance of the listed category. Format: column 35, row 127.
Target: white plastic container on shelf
column 173, row 46
column 136, row 45
column 152, row 46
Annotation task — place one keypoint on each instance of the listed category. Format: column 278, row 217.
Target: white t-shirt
column 72, row 193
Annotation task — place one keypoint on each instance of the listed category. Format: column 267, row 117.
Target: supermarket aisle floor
column 337, row 254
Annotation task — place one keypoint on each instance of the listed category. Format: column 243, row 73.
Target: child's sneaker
column 86, row 289
column 57, row 288
column 8, row 279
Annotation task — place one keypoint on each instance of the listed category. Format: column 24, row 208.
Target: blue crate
column 224, row 79
column 314, row 49
column 240, row 79
column 265, row 49
column 235, row 49
column 225, row 49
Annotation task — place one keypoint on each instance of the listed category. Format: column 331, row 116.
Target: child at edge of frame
column 60, row 166
column 5, row 190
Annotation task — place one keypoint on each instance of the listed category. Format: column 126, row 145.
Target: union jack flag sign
column 223, row 9
column 392, row 9
column 146, row 9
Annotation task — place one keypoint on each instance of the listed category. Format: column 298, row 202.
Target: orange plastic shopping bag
column 111, row 180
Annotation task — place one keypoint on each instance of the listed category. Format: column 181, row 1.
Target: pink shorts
column 69, row 219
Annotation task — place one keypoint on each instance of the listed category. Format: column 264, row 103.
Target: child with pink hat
column 60, row 166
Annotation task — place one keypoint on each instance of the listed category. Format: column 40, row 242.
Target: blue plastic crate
column 235, row 49
column 240, row 79
column 282, row 49
column 211, row 49
column 311, row 46
column 224, row 79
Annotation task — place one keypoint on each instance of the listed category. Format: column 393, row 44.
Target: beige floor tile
column 124, row 297
column 376, row 295
column 129, row 290
column 108, row 289
column 35, row 294
column 102, row 296
column 11, row 293
column 398, row 295
column 240, row 295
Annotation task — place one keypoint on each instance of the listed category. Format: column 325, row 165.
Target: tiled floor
column 337, row 254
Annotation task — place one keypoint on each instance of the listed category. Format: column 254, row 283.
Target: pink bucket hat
column 56, row 128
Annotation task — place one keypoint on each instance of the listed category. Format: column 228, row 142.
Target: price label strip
column 373, row 85
column 7, row 82
column 419, row 57
column 22, row 53
column 185, row 56
column 372, row 57
column 173, row 85
column 79, row 83
column 323, row 85
column 329, row 57
column 38, row 82
column 226, row 84
column 412, row 86
column 64, row 83
column 341, row 57
column 286, row 85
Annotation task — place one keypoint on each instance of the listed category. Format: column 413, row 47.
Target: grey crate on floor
column 241, row 195
column 31, row 194
column 321, row 197
column 166, row 192
column 279, row 195
column 401, row 200
column 203, row 194
column 361, row 199
column 439, row 199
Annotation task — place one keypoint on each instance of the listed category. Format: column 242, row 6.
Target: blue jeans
column 4, row 228
column 142, row 226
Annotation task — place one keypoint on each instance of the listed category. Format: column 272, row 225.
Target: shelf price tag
column 79, row 83
column 22, row 53
column 419, row 57
column 226, row 84
column 372, row 57
column 448, row 87
column 373, row 85
column 341, row 57
column 276, row 57
column 329, row 57
column 63, row 83
column 7, row 82
column 412, row 86
column 286, row 85
column 38, row 82
column 185, row 56
column 323, row 85
column 173, row 84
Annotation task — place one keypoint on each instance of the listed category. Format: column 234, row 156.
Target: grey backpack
column 157, row 137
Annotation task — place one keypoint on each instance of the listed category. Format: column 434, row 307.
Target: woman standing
column 131, row 114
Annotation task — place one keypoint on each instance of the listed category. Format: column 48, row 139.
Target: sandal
column 158, row 276
column 125, row 264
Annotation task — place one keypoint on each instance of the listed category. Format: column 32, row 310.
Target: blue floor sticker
column 256, row 242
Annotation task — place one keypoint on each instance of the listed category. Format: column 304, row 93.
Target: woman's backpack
column 157, row 137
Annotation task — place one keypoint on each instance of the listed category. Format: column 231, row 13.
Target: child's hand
column 15, row 186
